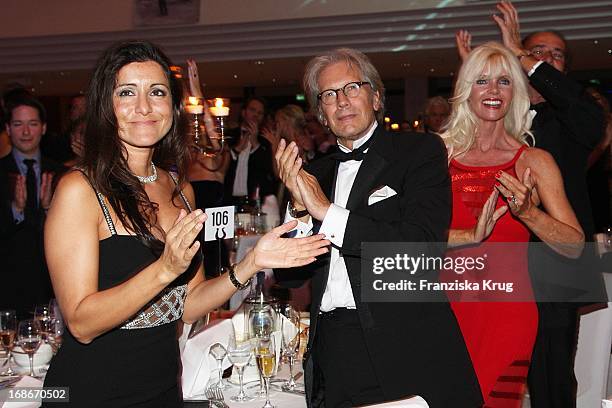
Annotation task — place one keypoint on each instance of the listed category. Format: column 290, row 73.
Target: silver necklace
column 149, row 179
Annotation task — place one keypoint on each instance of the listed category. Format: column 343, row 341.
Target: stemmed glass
column 291, row 341
column 219, row 352
column 42, row 314
column 239, row 353
column 8, row 326
column 265, row 354
column 261, row 325
column 29, row 338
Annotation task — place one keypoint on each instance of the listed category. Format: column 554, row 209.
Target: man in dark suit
column 251, row 164
column 27, row 180
column 363, row 352
column 568, row 124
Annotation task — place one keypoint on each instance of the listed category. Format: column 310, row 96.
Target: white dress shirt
column 338, row 292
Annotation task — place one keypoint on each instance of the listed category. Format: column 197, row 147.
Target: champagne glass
column 239, row 353
column 261, row 325
column 42, row 314
column 8, row 326
column 290, row 330
column 265, row 355
column 219, row 352
column 29, row 338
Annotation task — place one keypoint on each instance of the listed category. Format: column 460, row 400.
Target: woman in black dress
column 121, row 246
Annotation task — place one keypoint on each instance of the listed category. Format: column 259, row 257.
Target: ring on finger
column 513, row 200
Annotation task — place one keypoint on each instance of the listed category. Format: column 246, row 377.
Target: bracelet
column 235, row 281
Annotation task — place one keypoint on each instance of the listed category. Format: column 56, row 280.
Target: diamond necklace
column 149, row 179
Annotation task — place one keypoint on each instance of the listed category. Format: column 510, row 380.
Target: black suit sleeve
column 425, row 204
column 578, row 112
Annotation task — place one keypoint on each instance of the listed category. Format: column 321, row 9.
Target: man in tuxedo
column 27, row 180
column 251, row 164
column 363, row 352
column 568, row 124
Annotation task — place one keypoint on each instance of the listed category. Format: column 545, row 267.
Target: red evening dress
column 499, row 334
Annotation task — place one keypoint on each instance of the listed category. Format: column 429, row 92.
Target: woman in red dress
column 498, row 184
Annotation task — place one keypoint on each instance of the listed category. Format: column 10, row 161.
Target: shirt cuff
column 533, row 69
column 334, row 224
column 303, row 229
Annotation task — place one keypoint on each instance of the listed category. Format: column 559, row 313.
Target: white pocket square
column 381, row 194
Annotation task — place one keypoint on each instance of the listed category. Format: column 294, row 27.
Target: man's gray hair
column 354, row 59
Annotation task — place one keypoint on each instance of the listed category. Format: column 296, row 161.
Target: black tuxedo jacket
column 568, row 125
column 25, row 279
column 416, row 348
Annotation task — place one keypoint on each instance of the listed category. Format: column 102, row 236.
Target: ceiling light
column 235, row 76
column 259, row 62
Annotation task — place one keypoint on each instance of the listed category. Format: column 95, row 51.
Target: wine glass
column 290, row 329
column 29, row 337
column 42, row 314
column 239, row 353
column 261, row 325
column 265, row 355
column 8, row 326
column 219, row 352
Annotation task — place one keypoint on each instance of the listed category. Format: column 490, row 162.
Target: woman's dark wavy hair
column 105, row 157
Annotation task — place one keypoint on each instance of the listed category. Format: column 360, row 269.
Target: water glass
column 29, row 337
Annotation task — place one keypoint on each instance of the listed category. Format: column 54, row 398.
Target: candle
column 219, row 109
column 194, row 107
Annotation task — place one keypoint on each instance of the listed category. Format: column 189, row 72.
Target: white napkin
column 606, row 403
column 197, row 362
column 26, row 381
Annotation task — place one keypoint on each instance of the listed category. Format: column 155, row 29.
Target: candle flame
column 218, row 102
column 193, row 100
column 416, row 123
column 394, row 126
column 387, row 119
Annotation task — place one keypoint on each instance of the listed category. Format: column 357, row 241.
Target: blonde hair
column 493, row 59
column 294, row 115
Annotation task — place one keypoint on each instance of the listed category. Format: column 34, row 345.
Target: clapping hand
column 180, row 247
column 46, row 190
column 488, row 217
column 518, row 194
column 194, row 78
column 313, row 196
column 272, row 251
column 289, row 164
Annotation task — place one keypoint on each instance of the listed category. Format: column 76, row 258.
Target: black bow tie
column 355, row 154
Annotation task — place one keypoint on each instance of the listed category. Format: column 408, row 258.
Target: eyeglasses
column 540, row 52
column 350, row 90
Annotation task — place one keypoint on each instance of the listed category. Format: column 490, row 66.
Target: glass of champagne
column 8, row 326
column 29, row 337
column 261, row 325
column 42, row 314
column 290, row 330
column 239, row 353
column 265, row 355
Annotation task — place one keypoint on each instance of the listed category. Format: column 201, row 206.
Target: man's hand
column 194, row 79
column 21, row 195
column 509, row 25
column 463, row 39
column 315, row 200
column 46, row 190
column 289, row 164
